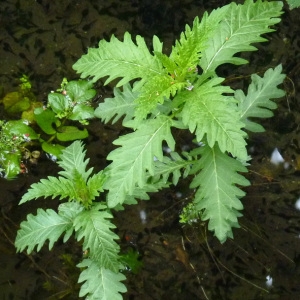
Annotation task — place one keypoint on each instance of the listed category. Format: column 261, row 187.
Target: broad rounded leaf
column 58, row 102
column 82, row 112
column 46, row 118
column 71, row 133
column 20, row 127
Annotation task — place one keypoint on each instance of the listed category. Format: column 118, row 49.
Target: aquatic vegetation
column 15, row 135
column 22, row 101
column 69, row 103
column 180, row 92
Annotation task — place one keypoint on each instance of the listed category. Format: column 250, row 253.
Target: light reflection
column 276, row 157
column 297, row 204
column 143, row 216
column 269, row 281
column 178, row 195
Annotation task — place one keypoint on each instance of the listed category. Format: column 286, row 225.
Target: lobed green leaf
column 73, row 159
column 241, row 26
column 69, row 210
column 154, row 92
column 116, row 59
column 122, row 104
column 135, row 157
column 94, row 227
column 257, row 103
column 100, row 283
column 50, row 187
column 217, row 196
column 46, row 225
column 189, row 48
column 215, row 116
column 74, row 182
column 293, row 3
column 173, row 166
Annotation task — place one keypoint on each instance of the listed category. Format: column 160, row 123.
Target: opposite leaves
column 74, row 183
column 90, row 221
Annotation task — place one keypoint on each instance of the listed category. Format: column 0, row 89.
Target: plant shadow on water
column 178, row 262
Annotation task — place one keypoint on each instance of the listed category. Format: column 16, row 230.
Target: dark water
column 43, row 39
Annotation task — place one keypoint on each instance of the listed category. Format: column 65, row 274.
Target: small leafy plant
column 70, row 103
column 90, row 220
column 161, row 94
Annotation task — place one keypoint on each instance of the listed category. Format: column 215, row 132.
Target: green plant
column 293, row 3
column 14, row 137
column 21, row 101
column 181, row 91
column 90, row 220
column 68, row 104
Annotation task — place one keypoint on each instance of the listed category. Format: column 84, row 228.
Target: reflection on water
column 276, row 158
column 269, row 281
